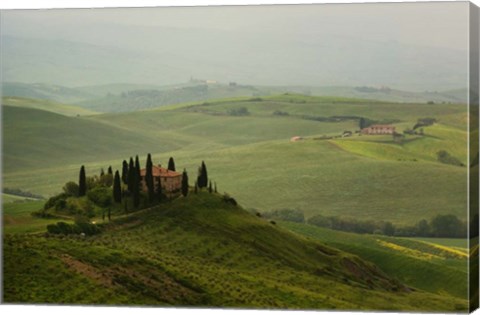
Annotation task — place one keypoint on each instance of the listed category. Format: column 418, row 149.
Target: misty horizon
column 394, row 45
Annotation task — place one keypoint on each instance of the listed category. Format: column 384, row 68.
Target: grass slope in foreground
column 422, row 264
column 201, row 251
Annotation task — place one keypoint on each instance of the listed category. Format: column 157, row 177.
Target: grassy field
column 421, row 263
column 201, row 251
column 367, row 175
column 17, row 218
column 50, row 106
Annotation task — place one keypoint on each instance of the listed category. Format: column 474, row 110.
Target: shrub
column 226, row 198
column 292, row 215
column 52, row 201
column 71, row 189
column 101, row 196
column 445, row 157
column 81, row 225
column 242, row 111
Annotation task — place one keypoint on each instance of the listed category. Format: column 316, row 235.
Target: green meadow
column 202, row 251
column 251, row 156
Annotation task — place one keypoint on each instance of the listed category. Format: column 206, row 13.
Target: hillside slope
column 37, row 139
column 421, row 264
column 201, row 251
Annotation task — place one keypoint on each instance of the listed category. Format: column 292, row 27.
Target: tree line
column 446, row 226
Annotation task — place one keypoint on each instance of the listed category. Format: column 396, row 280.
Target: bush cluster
column 292, row 215
column 447, row 226
column 80, row 226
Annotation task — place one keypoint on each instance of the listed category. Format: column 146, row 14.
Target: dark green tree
column 82, row 182
column 362, row 123
column 210, row 189
column 124, row 172
column 149, row 178
column 136, row 190
column 131, row 176
column 171, row 164
column 184, row 183
column 159, row 192
column 388, row 229
column 215, row 187
column 71, row 189
column 102, row 172
column 202, row 179
column 423, row 228
column 110, row 171
column 117, row 188
column 138, row 179
column 448, row 226
column 195, row 189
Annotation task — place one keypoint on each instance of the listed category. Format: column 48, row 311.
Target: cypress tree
column 362, row 123
column 131, row 176
column 210, row 190
column 159, row 189
column 102, row 172
column 202, row 176
column 137, row 169
column 171, row 164
column 184, row 183
column 82, row 182
column 149, row 178
column 136, row 190
column 110, row 171
column 117, row 188
column 124, row 172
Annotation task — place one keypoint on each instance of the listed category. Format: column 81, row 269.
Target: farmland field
column 401, row 182
column 246, row 145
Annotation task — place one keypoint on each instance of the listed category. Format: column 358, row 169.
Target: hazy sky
column 427, row 24
column 222, row 36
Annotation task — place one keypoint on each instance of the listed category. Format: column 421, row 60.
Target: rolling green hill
column 252, row 158
column 422, row 264
column 201, row 251
column 35, row 139
column 46, row 105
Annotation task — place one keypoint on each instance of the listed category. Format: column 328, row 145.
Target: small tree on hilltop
column 124, row 172
column 71, row 189
column 131, row 176
column 110, row 171
column 137, row 169
column 210, row 189
column 159, row 192
column 184, row 183
column 117, row 189
column 149, row 178
column 202, row 179
column 171, row 164
column 102, row 172
column 82, row 182
column 215, row 187
column 136, row 190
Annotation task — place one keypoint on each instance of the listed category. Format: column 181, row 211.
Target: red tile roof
column 160, row 171
column 381, row 126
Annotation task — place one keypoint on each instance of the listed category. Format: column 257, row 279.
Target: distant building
column 378, row 130
column 296, row 138
column 171, row 181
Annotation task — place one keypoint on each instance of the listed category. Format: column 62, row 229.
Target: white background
column 69, row 310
